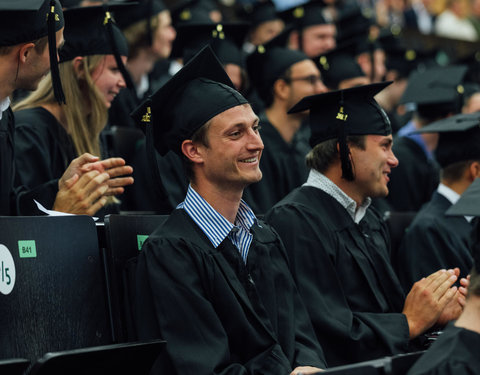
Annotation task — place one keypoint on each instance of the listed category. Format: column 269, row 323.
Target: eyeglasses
column 310, row 79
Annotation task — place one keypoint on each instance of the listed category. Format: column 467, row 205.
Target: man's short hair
column 40, row 45
column 454, row 172
column 199, row 137
column 322, row 156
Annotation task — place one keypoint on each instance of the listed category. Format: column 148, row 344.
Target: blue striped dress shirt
column 216, row 227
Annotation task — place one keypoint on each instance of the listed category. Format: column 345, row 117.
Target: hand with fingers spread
column 427, row 299
column 83, row 195
column 116, row 168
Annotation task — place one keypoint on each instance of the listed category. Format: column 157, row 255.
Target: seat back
column 52, row 286
column 16, row 366
column 125, row 235
column 401, row 363
column 373, row 367
column 118, row 359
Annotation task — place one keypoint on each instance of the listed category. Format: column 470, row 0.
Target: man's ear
column 79, row 67
column 192, row 151
column 474, row 170
column 280, row 89
column 25, row 51
column 293, row 40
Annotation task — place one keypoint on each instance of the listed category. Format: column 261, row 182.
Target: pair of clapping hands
column 88, row 182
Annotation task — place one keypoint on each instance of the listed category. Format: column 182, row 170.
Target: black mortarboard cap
column 305, row 15
column 338, row 65
column 260, row 12
column 198, row 92
column 226, row 40
column 92, row 31
column 469, row 202
column 28, row 20
column 437, row 85
column 459, row 138
column 270, row 61
column 141, row 10
column 338, row 114
column 86, row 33
column 188, row 11
column 352, row 23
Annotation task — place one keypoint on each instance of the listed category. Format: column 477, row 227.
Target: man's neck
column 470, row 318
column 348, row 187
column 225, row 202
column 287, row 125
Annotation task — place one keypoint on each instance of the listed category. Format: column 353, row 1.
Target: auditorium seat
column 125, row 235
column 56, row 295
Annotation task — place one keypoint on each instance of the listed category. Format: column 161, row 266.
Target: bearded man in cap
column 213, row 280
column 339, row 246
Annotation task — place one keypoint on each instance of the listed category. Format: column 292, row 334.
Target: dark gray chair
column 124, row 236
column 117, row 359
column 57, row 293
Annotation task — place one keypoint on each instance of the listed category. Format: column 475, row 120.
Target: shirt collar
column 213, row 224
column 4, row 104
column 322, row 182
column 408, row 132
column 451, row 196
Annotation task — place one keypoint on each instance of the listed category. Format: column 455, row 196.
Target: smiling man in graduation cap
column 338, row 244
column 214, row 280
column 434, row 240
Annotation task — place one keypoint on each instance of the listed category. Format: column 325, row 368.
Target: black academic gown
column 455, row 352
column 283, row 167
column 218, row 316
column 43, row 151
column 434, row 241
column 7, row 194
column 414, row 180
column 344, row 275
column 15, row 199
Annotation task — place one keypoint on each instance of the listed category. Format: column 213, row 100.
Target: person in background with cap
column 456, row 350
column 338, row 244
column 26, row 54
column 265, row 24
column 437, row 93
column 213, row 280
column 433, row 240
column 340, row 70
column 312, row 33
column 149, row 32
column 50, row 135
column 281, row 77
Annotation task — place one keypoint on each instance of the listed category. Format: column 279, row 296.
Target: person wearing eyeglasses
column 281, row 77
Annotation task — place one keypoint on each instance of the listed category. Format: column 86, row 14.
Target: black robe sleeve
column 434, row 241
column 7, row 174
column 349, row 302
column 454, row 352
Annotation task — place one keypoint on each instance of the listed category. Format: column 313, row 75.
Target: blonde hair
column 85, row 112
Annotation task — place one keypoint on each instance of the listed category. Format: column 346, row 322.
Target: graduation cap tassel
column 52, row 49
column 347, row 170
column 126, row 76
column 164, row 205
